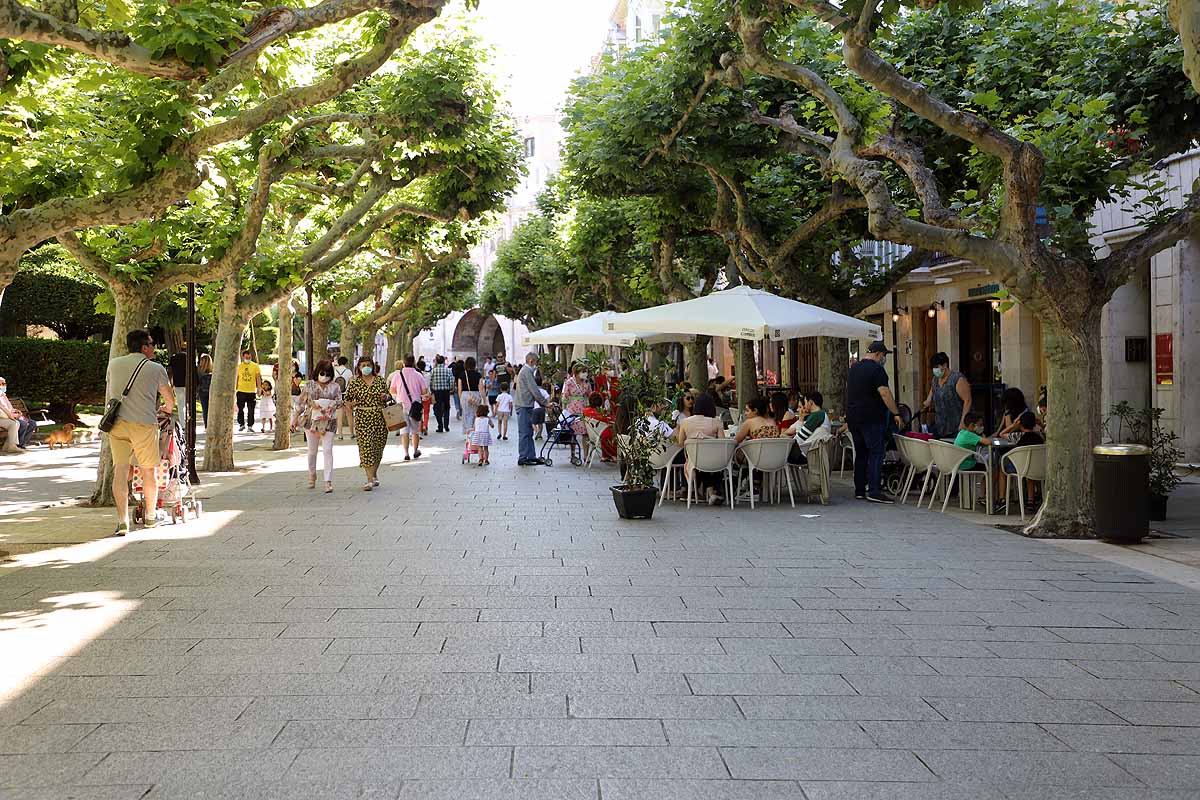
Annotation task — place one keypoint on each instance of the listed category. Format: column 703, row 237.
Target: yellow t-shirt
column 246, row 377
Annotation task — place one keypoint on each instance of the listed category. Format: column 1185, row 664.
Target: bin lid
column 1121, row 450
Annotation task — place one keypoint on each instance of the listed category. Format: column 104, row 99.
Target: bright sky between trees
column 541, row 45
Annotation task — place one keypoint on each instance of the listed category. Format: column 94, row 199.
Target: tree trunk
column 368, row 344
column 283, row 391
column 349, row 340
column 320, row 337
column 132, row 312
column 697, row 362
column 747, row 372
column 833, row 364
column 1073, row 388
column 218, row 436
column 395, row 351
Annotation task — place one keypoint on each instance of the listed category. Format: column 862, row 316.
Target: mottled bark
column 746, row 371
column 349, row 339
column 1185, row 16
column 1074, row 386
column 218, row 435
column 320, row 336
column 283, row 391
column 395, row 346
column 833, row 365
column 697, row 362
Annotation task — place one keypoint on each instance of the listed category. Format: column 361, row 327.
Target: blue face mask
column 367, row 370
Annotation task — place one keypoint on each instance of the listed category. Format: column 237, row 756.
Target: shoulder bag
column 417, row 408
column 394, row 417
column 113, row 410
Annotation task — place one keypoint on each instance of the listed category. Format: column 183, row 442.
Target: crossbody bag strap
column 407, row 391
column 133, row 377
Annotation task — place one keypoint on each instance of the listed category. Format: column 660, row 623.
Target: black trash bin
column 1122, row 492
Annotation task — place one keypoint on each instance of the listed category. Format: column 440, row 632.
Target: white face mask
column 367, row 370
column 3, row 390
column 324, row 378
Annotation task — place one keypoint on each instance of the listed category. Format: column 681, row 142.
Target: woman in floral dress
column 317, row 412
column 575, row 392
column 367, row 394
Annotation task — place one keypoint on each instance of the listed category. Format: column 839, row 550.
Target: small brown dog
column 63, row 437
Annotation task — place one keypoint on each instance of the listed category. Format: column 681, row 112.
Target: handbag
column 417, row 408
column 393, row 417
column 113, row 410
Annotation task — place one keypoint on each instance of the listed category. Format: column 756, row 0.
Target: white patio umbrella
column 592, row 331
column 744, row 313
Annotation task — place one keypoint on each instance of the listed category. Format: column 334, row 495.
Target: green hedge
column 59, row 373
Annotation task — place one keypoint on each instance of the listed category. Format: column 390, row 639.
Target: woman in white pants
column 317, row 413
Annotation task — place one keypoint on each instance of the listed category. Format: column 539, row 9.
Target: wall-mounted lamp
column 898, row 312
column 995, row 304
column 933, row 307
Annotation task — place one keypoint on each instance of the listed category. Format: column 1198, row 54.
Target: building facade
column 1150, row 338
column 471, row 332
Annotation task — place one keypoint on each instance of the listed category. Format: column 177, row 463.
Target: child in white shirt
column 504, row 409
column 481, row 436
column 266, row 407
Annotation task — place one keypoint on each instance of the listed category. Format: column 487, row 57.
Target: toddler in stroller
column 174, row 489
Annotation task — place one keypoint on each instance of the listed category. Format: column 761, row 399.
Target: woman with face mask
column 949, row 397
column 367, row 394
column 575, row 392
column 317, row 413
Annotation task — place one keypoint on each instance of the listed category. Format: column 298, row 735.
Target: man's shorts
column 137, row 439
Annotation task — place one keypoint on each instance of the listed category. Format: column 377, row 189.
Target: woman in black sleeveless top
column 469, row 397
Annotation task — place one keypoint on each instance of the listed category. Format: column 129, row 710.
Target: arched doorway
column 477, row 334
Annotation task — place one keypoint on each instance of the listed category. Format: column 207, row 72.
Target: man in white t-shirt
column 504, row 409
column 712, row 369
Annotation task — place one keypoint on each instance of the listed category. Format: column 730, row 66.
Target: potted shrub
column 636, row 497
column 1144, row 426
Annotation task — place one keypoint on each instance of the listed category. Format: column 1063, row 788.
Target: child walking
column 481, row 437
column 266, row 407
column 504, row 409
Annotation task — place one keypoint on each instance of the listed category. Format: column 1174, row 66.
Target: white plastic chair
column 948, row 459
column 595, row 429
column 918, row 458
column 710, row 455
column 1030, row 463
column 770, row 457
column 665, row 460
column 845, row 441
column 736, row 417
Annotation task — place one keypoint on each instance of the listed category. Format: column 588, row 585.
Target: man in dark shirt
column 869, row 401
column 460, row 375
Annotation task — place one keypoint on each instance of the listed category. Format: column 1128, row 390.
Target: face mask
column 324, row 378
column 367, row 370
column 3, row 390
column 938, row 372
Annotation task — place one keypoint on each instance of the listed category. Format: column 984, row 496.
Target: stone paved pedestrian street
column 497, row 633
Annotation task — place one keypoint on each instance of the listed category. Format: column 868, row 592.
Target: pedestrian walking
column 504, row 409
column 317, row 412
column 408, row 388
column 137, row 383
column 468, row 395
column 481, row 437
column 527, row 396
column 441, row 385
column 367, row 395
column 868, row 403
column 342, row 375
column 459, row 371
column 266, row 407
column 204, row 384
column 249, row 382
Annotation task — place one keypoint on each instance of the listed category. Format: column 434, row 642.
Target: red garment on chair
column 608, row 441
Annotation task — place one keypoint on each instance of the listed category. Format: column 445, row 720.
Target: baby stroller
column 563, row 435
column 892, row 473
column 174, row 491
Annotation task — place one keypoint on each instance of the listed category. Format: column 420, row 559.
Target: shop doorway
column 979, row 357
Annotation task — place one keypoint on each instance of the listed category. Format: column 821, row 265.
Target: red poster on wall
column 1164, row 360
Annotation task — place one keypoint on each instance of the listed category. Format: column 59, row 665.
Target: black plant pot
column 634, row 503
column 1158, row 507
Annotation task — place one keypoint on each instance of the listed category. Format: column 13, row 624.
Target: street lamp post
column 190, row 386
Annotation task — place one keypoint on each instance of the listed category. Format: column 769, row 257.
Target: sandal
column 368, row 486
column 328, row 487
column 312, row 481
